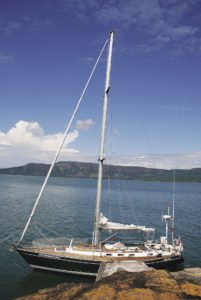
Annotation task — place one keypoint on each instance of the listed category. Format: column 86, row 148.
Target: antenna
column 173, row 205
column 167, row 219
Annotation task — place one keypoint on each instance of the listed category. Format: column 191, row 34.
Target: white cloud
column 180, row 108
column 37, row 25
column 9, row 27
column 170, row 34
column 5, row 57
column 161, row 161
column 147, row 48
column 27, row 142
column 159, row 22
column 87, row 59
column 84, row 124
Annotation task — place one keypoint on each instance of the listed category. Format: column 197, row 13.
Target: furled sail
column 105, row 224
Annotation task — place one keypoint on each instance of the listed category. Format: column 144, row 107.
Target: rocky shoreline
column 122, row 285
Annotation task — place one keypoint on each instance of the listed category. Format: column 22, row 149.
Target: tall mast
column 61, row 144
column 95, row 239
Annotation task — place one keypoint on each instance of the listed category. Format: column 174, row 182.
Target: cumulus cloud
column 27, row 142
column 84, row 124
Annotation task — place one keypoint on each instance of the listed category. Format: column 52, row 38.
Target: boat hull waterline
column 88, row 267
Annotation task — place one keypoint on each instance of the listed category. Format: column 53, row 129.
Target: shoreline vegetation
column 72, row 169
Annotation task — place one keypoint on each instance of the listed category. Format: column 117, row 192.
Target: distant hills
column 90, row 170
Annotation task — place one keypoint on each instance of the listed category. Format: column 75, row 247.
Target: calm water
column 68, row 207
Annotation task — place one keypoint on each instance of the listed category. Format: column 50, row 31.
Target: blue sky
column 47, row 50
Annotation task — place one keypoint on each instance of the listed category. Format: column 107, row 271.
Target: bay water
column 67, row 209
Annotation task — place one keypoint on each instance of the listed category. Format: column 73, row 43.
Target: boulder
column 122, row 285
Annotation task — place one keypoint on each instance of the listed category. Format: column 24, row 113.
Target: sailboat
column 85, row 259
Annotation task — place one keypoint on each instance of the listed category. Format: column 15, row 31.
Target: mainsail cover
column 105, row 224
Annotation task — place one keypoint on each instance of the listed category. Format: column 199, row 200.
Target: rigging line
column 109, row 237
column 126, row 196
column 109, row 127
column 43, row 235
column 61, row 144
column 48, row 229
column 119, row 198
column 109, row 189
column 131, row 203
column 120, row 195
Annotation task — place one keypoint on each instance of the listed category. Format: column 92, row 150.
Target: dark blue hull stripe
column 83, row 267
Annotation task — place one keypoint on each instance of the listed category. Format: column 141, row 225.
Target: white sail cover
column 107, row 225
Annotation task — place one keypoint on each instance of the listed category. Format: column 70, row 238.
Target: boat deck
column 90, row 253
